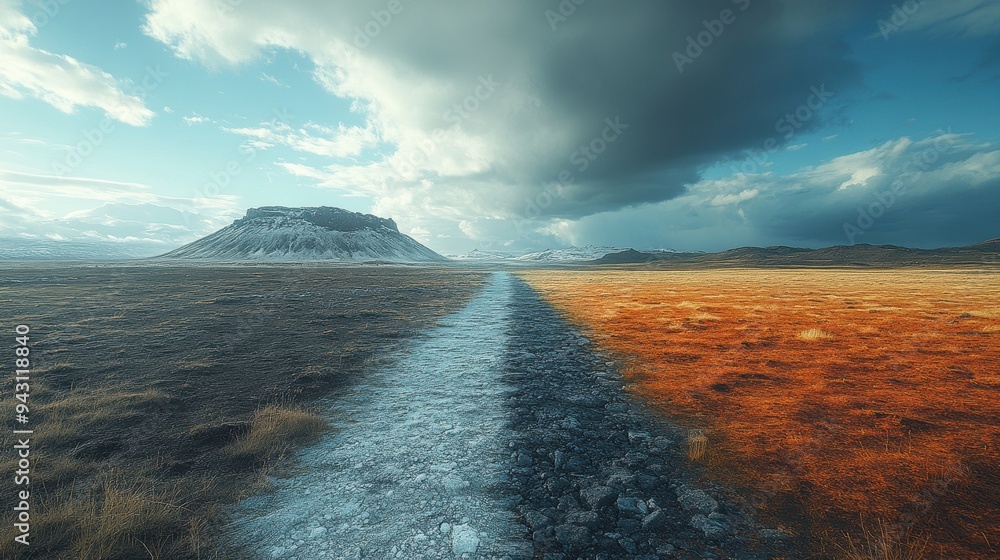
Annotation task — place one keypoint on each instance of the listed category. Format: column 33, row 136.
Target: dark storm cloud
column 690, row 82
column 942, row 190
column 523, row 119
column 929, row 192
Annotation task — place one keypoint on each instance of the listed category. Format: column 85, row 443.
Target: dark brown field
column 161, row 395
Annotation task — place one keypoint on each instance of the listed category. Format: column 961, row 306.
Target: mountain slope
column 276, row 233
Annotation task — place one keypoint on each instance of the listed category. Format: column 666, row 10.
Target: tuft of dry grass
column 69, row 418
column 87, row 510
column 812, row 335
column 115, row 517
column 883, row 544
column 704, row 317
column 273, row 430
column 697, row 445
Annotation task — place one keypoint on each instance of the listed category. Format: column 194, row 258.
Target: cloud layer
column 59, row 80
column 479, row 107
column 526, row 123
column 119, row 212
column 940, row 190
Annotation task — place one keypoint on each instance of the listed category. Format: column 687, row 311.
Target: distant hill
column 23, row 249
column 628, row 256
column 861, row 255
column 565, row 255
column 484, row 255
column 277, row 233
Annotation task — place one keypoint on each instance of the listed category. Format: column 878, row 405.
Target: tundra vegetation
column 163, row 395
column 858, row 408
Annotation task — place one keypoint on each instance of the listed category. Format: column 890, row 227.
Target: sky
column 517, row 125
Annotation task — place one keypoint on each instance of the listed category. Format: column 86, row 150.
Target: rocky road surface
column 499, row 434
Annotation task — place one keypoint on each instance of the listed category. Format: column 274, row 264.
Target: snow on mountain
column 486, row 255
column 570, row 254
column 276, row 233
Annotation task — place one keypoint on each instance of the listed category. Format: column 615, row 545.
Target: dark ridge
column 985, row 254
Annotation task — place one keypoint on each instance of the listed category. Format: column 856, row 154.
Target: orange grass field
column 861, row 405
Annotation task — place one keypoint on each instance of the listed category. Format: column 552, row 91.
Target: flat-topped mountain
column 277, row 233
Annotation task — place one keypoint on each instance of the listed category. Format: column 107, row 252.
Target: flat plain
column 160, row 396
column 859, row 409
column 854, row 410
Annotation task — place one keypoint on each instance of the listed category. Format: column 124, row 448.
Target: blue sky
column 209, row 108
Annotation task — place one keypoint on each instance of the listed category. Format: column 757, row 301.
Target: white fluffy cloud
column 313, row 138
column 473, row 111
column 194, row 119
column 729, row 199
column 59, row 80
column 486, row 124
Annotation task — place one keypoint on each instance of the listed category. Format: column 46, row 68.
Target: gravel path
column 412, row 473
column 499, row 434
column 595, row 474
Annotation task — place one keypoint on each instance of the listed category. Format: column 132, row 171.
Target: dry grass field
column 858, row 408
column 160, row 396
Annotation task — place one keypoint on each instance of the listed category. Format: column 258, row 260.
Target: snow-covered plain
column 410, row 469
